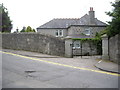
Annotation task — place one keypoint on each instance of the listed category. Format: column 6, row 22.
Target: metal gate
column 87, row 48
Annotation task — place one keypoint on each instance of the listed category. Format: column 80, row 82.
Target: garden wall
column 114, row 48
column 34, row 42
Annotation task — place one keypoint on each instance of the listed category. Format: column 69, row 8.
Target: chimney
column 91, row 16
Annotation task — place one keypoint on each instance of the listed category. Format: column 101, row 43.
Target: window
column 56, row 33
column 76, row 44
column 59, row 33
column 87, row 31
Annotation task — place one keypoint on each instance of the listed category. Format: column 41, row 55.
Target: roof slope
column 85, row 21
column 66, row 22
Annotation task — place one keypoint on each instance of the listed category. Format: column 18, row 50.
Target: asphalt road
column 20, row 72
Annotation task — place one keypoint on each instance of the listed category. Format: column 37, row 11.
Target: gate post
column 105, row 48
column 68, row 48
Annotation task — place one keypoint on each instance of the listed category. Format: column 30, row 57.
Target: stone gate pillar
column 105, row 48
column 0, row 61
column 68, row 48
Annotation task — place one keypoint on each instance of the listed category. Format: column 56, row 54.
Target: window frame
column 59, row 33
column 87, row 31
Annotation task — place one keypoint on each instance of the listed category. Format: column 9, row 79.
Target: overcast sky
column 37, row 12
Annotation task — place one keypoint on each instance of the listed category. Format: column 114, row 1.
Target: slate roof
column 66, row 22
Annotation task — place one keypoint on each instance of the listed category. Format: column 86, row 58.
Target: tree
column 114, row 26
column 34, row 30
column 23, row 29
column 28, row 29
column 6, row 22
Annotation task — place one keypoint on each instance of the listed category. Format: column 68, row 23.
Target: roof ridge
column 62, row 22
column 84, row 16
column 67, row 18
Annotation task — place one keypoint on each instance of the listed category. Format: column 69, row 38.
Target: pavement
column 108, row 66
column 90, row 62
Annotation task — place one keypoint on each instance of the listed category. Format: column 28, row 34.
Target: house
column 62, row 27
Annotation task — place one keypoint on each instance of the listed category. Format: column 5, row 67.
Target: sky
column 35, row 13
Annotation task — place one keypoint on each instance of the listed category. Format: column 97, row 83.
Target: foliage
column 28, row 29
column 114, row 26
column 23, row 29
column 105, row 31
column 6, row 22
column 34, row 30
column 87, row 39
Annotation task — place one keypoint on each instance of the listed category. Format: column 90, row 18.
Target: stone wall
column 34, row 42
column 80, row 29
column 72, row 30
column 114, row 49
column 51, row 32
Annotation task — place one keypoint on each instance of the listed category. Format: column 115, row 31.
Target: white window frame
column 59, row 31
column 87, row 32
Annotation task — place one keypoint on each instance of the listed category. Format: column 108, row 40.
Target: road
column 23, row 72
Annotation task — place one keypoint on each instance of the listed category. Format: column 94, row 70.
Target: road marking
column 115, row 74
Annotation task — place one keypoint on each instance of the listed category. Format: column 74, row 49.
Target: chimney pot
column 91, row 8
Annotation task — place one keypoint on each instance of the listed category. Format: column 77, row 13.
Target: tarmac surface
column 91, row 62
column 20, row 71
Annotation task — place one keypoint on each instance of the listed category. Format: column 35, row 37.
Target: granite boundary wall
column 114, row 48
column 34, row 42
